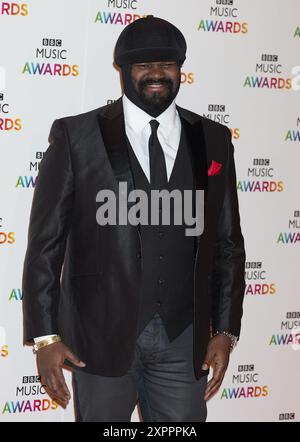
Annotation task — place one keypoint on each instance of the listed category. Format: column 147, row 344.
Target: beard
column 153, row 103
column 156, row 102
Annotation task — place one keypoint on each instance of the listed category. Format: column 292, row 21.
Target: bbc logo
column 297, row 213
column 52, row 42
column 249, row 367
column 286, row 416
column 293, row 315
column 253, row 265
column 270, row 58
column 31, row 379
column 261, row 162
column 224, row 2
column 216, row 108
column 1, row 97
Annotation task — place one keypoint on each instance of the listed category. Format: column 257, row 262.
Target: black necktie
column 158, row 170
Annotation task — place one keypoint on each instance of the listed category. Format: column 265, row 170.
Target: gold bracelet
column 46, row 342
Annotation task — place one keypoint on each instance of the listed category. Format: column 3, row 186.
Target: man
column 140, row 310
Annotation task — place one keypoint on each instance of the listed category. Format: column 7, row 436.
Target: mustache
column 150, row 81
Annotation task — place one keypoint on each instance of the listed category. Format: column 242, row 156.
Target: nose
column 156, row 71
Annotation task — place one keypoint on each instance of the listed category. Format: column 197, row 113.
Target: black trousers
column 161, row 377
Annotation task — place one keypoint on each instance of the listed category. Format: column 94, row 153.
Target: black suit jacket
column 81, row 280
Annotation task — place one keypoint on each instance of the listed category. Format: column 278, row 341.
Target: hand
column 217, row 356
column 50, row 360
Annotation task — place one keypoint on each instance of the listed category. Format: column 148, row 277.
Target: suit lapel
column 197, row 149
column 112, row 129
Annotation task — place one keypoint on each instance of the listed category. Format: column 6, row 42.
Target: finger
column 55, row 387
column 217, row 377
column 63, row 404
column 74, row 359
column 218, row 372
column 205, row 365
column 212, row 392
column 52, row 382
column 207, row 361
column 47, row 384
column 61, row 383
column 210, row 385
column 51, row 393
column 59, row 395
column 43, row 380
column 214, row 383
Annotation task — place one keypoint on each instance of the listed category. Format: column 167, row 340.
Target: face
column 156, row 83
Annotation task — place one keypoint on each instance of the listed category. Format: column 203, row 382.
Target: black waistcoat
column 167, row 254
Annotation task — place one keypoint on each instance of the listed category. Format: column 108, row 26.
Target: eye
column 167, row 65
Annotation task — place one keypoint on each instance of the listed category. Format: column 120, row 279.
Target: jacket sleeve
column 228, row 280
column 48, row 229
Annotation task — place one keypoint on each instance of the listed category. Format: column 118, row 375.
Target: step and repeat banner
column 242, row 70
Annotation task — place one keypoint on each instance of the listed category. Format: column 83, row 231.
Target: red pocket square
column 215, row 168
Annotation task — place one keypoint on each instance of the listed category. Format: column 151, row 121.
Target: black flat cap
column 150, row 39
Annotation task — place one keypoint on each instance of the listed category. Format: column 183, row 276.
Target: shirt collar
column 137, row 119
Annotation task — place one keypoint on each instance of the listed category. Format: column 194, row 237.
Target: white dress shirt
column 138, row 131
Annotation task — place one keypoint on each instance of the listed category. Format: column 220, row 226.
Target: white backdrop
column 56, row 60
